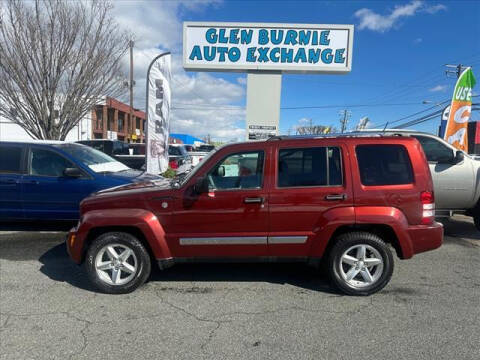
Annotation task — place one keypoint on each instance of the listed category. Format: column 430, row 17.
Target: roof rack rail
column 332, row 135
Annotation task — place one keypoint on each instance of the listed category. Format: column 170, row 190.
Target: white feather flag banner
column 158, row 114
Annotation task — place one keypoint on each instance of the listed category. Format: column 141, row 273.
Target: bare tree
column 57, row 60
column 314, row 130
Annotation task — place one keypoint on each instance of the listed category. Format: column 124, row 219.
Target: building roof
column 186, row 138
column 114, row 103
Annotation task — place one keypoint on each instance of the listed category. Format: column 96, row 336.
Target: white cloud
column 157, row 23
column 371, row 20
column 201, row 100
column 435, row 8
column 438, row 88
column 417, row 40
column 304, row 121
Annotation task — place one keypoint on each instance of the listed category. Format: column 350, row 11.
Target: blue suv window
column 47, row 163
column 10, row 159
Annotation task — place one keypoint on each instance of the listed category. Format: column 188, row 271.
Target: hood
column 140, row 185
column 134, row 176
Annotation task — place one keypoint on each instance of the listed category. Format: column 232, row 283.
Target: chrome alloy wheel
column 361, row 266
column 116, row 264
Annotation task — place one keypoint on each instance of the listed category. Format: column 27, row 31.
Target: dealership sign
column 290, row 48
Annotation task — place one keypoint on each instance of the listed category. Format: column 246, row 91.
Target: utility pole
column 130, row 88
column 458, row 69
column 344, row 117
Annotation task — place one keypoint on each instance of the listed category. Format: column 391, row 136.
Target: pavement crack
column 83, row 331
column 68, row 314
column 211, row 334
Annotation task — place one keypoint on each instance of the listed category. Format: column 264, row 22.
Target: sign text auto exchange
column 271, row 50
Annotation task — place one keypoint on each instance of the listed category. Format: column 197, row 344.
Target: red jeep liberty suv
column 346, row 200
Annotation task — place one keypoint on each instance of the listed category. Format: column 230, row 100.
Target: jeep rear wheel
column 117, row 263
column 360, row 263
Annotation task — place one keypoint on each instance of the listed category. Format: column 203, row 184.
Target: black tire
column 140, row 259
column 476, row 219
column 334, row 263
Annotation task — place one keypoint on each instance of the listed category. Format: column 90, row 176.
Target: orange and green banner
column 460, row 110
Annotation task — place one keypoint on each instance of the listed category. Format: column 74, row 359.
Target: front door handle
column 251, row 200
column 332, row 197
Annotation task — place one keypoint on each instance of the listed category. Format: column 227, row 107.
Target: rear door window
column 318, row 166
column 384, row 165
column 10, row 159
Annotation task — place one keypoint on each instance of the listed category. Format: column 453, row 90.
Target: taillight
column 428, row 207
column 173, row 164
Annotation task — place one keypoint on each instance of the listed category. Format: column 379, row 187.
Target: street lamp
column 431, row 102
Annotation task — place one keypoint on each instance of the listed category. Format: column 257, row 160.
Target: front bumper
column 74, row 244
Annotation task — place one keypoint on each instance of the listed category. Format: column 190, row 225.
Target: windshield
column 196, row 168
column 176, row 151
column 94, row 159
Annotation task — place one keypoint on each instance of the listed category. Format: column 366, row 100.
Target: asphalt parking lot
column 430, row 309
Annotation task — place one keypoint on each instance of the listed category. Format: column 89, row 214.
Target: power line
column 426, row 118
column 215, row 107
column 419, row 120
column 405, row 89
column 411, row 115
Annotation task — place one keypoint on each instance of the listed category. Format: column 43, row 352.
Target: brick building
column 116, row 120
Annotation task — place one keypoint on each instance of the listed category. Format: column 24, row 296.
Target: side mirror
column 201, row 185
column 221, row 171
column 458, row 157
column 72, row 172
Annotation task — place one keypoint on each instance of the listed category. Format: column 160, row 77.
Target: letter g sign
column 462, row 114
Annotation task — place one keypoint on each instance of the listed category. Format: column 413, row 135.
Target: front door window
column 47, row 163
column 238, row 171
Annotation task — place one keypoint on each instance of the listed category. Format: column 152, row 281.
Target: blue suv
column 47, row 180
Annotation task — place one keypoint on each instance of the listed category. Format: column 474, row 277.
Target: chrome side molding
column 243, row 240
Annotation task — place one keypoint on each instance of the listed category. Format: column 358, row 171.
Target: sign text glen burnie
column 280, row 47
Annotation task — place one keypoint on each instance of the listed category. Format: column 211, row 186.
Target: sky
column 400, row 49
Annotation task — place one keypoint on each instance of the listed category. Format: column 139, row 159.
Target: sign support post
column 263, row 104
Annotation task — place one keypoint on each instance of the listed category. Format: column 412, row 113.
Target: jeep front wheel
column 360, row 263
column 117, row 263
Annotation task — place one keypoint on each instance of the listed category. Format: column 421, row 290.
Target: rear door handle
column 251, row 200
column 332, row 197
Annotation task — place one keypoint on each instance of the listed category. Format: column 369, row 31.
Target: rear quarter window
column 384, row 165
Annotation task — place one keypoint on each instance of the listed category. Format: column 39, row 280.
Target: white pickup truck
column 198, row 153
column 455, row 174
column 197, row 156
